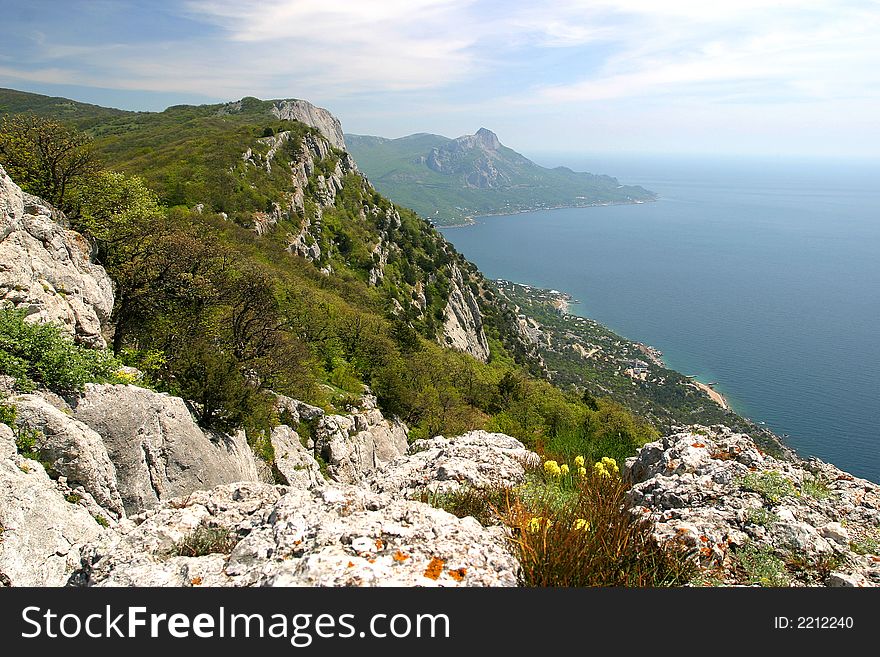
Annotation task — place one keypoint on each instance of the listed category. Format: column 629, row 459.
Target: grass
column 771, row 485
column 205, row 540
column 816, row 488
column 592, row 540
column 486, row 505
column 813, row 571
column 759, row 565
column 761, row 516
column 866, row 545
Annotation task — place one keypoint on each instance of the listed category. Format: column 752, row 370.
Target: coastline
column 714, row 395
column 471, row 219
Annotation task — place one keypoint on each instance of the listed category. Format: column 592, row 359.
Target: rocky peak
column 316, row 117
column 487, row 139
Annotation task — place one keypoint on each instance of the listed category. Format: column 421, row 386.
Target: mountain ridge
column 452, row 180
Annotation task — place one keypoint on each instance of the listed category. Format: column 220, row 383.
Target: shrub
column 7, row 415
column 205, row 540
column 592, row 540
column 26, row 442
column 42, row 354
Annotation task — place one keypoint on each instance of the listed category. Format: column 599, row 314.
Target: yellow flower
column 579, row 461
column 563, row 469
column 599, row 467
column 610, row 465
column 580, row 523
column 537, row 523
column 552, row 468
column 582, row 471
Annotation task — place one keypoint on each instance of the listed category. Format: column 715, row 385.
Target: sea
column 760, row 276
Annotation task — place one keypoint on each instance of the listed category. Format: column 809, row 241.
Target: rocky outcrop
column 442, row 465
column 158, row 450
column 457, row 157
column 46, row 269
column 717, row 492
column 463, row 324
column 332, row 536
column 42, row 527
column 316, row 117
column 71, row 449
column 294, row 462
column 357, row 444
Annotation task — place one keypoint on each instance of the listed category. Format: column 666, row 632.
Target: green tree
column 46, row 158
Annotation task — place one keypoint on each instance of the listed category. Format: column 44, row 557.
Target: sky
column 749, row 77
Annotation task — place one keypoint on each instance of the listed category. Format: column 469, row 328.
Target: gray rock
column 442, row 465
column 358, row 444
column 847, row 580
column 71, row 449
column 695, row 487
column 463, row 324
column 42, row 533
column 294, row 462
column 7, row 442
column 156, row 446
column 332, row 536
column 316, row 117
column 46, row 269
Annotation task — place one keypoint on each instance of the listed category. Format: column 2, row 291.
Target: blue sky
column 768, row 77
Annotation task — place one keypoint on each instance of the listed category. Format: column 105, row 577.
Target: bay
column 761, row 276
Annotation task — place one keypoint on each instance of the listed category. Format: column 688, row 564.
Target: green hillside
column 452, row 180
column 221, row 313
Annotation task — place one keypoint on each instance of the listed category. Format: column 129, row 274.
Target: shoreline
column 714, row 395
column 561, row 303
column 471, row 218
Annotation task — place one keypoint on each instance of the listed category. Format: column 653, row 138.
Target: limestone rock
column 716, row 491
column 333, row 536
column 294, row 462
column 156, row 446
column 358, row 444
column 463, row 326
column 71, row 449
column 7, row 442
column 41, row 533
column 46, row 269
column 441, row 465
column 316, row 117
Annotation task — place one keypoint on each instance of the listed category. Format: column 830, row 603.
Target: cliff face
column 47, row 270
column 463, row 326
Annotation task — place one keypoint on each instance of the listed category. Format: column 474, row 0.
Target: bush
column 205, row 540
column 592, row 540
column 7, row 415
column 42, row 354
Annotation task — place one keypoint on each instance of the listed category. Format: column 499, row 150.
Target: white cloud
column 809, row 50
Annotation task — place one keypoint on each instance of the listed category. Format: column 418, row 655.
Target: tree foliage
column 46, row 158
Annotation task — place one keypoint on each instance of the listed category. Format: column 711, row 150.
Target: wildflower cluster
column 606, row 467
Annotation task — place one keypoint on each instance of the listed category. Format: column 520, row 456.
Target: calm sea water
column 760, row 276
